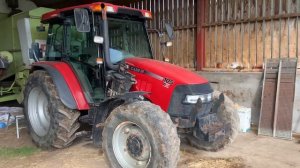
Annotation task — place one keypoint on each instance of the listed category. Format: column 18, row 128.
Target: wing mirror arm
column 159, row 33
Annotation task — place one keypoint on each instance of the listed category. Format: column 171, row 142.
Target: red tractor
column 99, row 70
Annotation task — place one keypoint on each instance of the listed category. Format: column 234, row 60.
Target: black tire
column 228, row 115
column 63, row 121
column 157, row 126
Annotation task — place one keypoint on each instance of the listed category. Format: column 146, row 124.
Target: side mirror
column 98, row 39
column 82, row 21
column 169, row 30
column 35, row 52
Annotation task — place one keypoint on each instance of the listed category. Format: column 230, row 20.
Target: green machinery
column 17, row 33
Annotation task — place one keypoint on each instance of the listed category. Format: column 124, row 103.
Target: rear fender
column 66, row 82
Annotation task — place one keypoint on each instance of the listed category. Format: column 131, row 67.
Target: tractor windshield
column 127, row 38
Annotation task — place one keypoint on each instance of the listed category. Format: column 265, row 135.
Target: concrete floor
column 249, row 150
column 261, row 151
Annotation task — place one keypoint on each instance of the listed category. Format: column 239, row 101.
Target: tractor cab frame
column 95, row 40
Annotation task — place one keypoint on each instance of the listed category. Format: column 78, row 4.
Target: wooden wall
column 243, row 31
column 250, row 31
column 182, row 15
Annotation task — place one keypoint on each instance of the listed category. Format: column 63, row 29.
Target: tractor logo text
column 138, row 70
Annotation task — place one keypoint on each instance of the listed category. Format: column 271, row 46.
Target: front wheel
column 139, row 135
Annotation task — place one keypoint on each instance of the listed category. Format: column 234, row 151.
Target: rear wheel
column 50, row 123
column 139, row 135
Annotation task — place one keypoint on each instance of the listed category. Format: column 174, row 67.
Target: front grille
column 179, row 109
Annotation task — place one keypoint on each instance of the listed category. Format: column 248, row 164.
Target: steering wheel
column 84, row 57
column 81, row 61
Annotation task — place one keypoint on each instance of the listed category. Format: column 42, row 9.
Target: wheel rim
column 38, row 113
column 131, row 146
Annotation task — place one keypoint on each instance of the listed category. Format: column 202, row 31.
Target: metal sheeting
column 278, row 98
column 268, row 98
column 250, row 31
column 182, row 15
column 284, row 110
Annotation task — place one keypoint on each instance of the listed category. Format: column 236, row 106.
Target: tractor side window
column 83, row 59
column 82, row 46
column 55, row 42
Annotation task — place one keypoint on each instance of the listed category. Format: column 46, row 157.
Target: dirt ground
column 248, row 150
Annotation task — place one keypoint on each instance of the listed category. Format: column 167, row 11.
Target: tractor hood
column 163, row 70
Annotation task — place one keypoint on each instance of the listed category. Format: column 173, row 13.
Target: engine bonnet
column 166, row 70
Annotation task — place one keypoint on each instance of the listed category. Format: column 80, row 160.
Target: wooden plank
column 168, row 5
column 207, row 47
column 252, row 45
column 192, row 35
column 292, row 38
column 238, row 11
column 219, row 10
column 185, row 53
column 268, row 40
column 238, row 41
column 231, row 54
column 225, row 48
column 219, row 48
column 207, row 11
column 246, row 49
column 260, row 8
column 268, row 8
column 284, row 39
column 276, row 7
column 176, row 23
column 276, row 40
column 252, row 8
column 212, row 48
column 213, row 11
column 259, row 44
column 284, row 6
column 181, row 54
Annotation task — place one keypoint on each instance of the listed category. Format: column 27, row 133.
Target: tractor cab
column 95, row 39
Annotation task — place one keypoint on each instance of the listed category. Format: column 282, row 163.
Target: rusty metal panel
column 277, row 98
column 268, row 99
column 283, row 119
column 182, row 14
column 268, row 108
column 296, row 109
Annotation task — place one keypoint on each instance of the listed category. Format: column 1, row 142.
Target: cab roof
column 98, row 7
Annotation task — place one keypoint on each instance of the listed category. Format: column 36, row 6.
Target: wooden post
column 200, row 43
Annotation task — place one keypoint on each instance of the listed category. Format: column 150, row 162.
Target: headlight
column 192, row 99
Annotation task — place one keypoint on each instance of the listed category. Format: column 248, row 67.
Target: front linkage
column 208, row 130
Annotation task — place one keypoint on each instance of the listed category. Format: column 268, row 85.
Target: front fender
column 66, row 82
column 104, row 109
